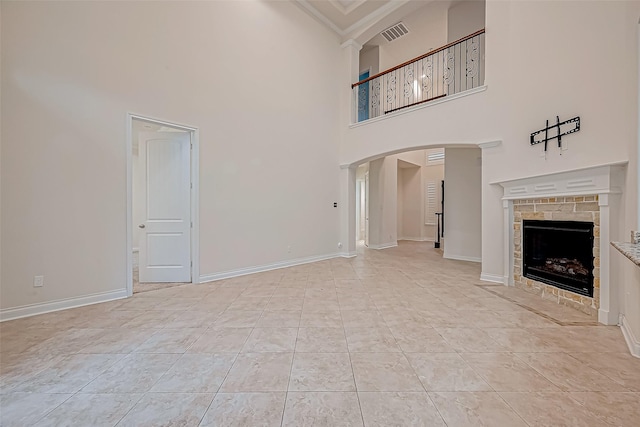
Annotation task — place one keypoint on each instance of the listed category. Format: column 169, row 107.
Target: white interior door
column 165, row 238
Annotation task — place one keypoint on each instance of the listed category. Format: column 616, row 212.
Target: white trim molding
column 490, row 144
column 493, row 278
column 630, row 338
column 384, row 245
column 63, row 304
column 268, row 267
column 462, row 258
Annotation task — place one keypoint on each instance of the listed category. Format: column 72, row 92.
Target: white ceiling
column 360, row 19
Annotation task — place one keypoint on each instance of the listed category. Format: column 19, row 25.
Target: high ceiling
column 360, row 19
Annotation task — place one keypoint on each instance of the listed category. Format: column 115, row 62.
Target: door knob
column 141, row 226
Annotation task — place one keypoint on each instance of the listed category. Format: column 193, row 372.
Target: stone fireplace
column 556, row 253
column 567, row 218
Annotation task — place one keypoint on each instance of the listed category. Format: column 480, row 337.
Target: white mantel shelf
column 585, row 181
column 630, row 250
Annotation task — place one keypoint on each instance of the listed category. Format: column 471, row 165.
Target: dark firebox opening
column 559, row 253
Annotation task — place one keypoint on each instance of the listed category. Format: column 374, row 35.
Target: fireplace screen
column 559, row 253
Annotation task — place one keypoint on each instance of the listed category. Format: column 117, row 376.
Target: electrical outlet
column 38, row 281
column 339, row 244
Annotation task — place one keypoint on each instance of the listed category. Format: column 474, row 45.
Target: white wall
column 370, row 59
column 383, row 199
column 268, row 134
column 427, row 31
column 464, row 18
column 412, row 204
column 400, row 203
column 463, row 204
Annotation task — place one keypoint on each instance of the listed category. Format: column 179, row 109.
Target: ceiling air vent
column 395, row 32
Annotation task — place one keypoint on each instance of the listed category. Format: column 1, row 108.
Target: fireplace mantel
column 604, row 181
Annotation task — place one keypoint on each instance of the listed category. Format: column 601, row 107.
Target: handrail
column 433, row 52
column 416, row 103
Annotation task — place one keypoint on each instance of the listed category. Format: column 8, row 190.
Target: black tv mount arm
column 570, row 126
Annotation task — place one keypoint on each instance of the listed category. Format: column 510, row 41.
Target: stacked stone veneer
column 584, row 208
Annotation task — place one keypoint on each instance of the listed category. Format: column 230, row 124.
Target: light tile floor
column 398, row 337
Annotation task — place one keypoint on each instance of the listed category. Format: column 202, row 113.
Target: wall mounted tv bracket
column 562, row 129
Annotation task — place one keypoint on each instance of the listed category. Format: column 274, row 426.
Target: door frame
column 194, row 133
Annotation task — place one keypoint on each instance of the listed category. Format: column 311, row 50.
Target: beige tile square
column 568, row 373
column 168, row 409
column 506, row 372
column 221, row 340
column 254, row 372
column 135, row 373
column 245, row 410
column 371, row 340
column 279, row 319
column 446, row 372
column 339, row 409
column 384, row 372
column 25, row 409
column 238, row 319
column 551, row 409
column 285, row 304
column 470, row 340
column 94, row 410
column 520, row 340
column 170, row 341
column 196, row 373
column 194, row 319
column 321, row 372
column 362, row 319
column 151, row 319
column 321, row 340
column 619, row 409
column 271, row 340
column 249, row 303
column 69, row 373
column 115, row 341
column 465, row 409
column 623, row 368
column 420, row 339
column 399, row 409
column 321, row 319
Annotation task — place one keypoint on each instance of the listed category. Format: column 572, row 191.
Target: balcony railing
column 453, row 68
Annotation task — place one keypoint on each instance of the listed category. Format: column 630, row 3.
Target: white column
column 608, row 313
column 351, row 60
column 507, row 244
column 347, row 206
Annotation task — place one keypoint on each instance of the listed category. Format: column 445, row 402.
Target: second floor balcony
column 447, row 70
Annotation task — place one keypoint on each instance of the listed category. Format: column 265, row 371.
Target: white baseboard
column 63, row 304
column 461, row 258
column 384, row 245
column 268, row 267
column 417, row 239
column 632, row 341
column 494, row 278
column 607, row 318
column 351, row 254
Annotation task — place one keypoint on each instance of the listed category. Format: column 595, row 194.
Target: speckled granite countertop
column 630, row 250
